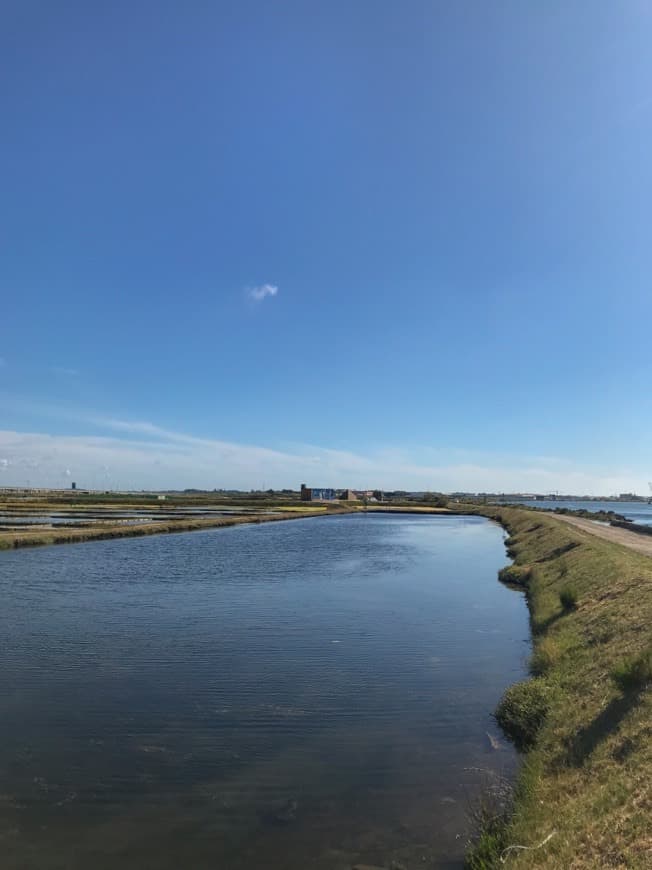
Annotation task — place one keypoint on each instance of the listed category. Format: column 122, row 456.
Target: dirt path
column 640, row 543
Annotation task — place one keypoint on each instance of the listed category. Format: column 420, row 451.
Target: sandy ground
column 640, row 543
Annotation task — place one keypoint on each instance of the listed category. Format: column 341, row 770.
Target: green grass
column 546, row 656
column 523, row 710
column 517, row 575
column 585, row 720
column 568, row 598
column 634, row 674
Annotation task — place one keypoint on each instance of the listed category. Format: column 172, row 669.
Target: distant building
column 312, row 493
column 73, row 485
column 348, row 495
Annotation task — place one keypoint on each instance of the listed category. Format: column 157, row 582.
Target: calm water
column 301, row 694
column 636, row 511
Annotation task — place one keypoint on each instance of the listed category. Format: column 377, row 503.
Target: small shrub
column 545, row 657
column 568, row 597
column 522, row 711
column 519, row 575
column 634, row 672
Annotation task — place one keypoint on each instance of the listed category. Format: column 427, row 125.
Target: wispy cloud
column 262, row 292
column 65, row 372
column 142, row 455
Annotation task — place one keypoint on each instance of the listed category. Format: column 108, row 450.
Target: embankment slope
column 586, row 780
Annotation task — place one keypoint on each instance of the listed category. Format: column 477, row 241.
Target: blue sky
column 352, row 243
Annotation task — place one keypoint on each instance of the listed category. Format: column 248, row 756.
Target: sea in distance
column 635, row 511
column 312, row 693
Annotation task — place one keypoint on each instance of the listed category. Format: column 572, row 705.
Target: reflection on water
column 302, row 694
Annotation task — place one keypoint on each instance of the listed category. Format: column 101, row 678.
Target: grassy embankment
column 584, row 719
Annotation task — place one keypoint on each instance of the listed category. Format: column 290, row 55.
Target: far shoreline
column 44, row 538
column 65, row 535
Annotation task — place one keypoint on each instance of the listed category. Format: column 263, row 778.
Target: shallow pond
column 309, row 693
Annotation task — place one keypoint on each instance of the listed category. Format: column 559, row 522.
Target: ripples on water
column 302, row 694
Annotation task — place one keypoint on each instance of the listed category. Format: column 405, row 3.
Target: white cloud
column 261, row 292
column 142, row 455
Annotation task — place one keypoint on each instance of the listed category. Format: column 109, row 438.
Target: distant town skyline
column 387, row 245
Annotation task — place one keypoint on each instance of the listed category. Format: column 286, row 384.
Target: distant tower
column 73, row 485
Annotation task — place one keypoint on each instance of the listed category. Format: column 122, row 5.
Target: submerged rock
column 494, row 743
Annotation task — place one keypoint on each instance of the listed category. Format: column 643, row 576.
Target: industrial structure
column 311, row 493
column 320, row 493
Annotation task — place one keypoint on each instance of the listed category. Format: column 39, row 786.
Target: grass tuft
column 568, row 598
column 523, row 710
column 634, row 673
column 517, row 575
column 511, row 545
column 491, row 842
column 489, row 815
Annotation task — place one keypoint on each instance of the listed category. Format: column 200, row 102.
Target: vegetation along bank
column 108, row 528
column 584, row 718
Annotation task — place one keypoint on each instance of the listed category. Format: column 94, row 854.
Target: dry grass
column 588, row 776
column 103, row 530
